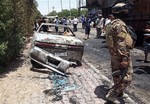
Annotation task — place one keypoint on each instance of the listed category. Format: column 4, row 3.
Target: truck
column 138, row 17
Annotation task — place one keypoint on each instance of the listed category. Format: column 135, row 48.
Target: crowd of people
column 98, row 22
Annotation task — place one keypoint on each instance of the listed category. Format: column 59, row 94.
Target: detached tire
column 35, row 64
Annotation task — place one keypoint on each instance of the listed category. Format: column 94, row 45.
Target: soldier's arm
column 123, row 42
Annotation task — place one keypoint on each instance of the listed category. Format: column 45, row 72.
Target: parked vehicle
column 52, row 48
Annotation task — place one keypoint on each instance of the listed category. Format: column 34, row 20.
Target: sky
column 45, row 6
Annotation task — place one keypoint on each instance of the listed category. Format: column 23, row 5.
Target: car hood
column 58, row 39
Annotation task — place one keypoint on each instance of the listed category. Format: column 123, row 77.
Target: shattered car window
column 55, row 30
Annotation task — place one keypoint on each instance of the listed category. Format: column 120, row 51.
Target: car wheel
column 79, row 63
column 35, row 64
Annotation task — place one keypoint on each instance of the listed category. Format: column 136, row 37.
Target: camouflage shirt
column 117, row 38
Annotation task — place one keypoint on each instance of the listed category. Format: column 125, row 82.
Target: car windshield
column 55, row 29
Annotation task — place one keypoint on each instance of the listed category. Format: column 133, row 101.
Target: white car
column 62, row 44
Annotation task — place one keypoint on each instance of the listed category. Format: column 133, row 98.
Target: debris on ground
column 60, row 85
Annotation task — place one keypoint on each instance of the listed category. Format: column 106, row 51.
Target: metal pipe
column 70, row 7
column 48, row 5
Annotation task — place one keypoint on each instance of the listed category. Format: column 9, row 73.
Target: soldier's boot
column 111, row 97
column 126, row 98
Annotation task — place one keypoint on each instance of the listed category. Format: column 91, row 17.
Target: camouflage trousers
column 121, row 78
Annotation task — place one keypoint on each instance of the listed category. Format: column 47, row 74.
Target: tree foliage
column 16, row 22
column 67, row 13
column 53, row 13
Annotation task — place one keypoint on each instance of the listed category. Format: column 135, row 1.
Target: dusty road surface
column 21, row 85
column 25, row 85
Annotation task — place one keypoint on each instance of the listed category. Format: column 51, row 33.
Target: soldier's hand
column 124, row 64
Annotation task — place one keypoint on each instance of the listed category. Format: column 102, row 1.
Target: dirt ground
column 22, row 85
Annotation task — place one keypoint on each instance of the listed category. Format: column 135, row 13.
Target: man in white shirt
column 57, row 23
column 109, row 19
column 99, row 25
column 75, row 23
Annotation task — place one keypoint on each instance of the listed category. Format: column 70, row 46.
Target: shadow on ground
column 101, row 91
column 43, row 71
column 142, row 61
column 12, row 66
column 142, row 70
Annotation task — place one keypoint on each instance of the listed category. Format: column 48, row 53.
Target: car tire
column 35, row 64
column 78, row 63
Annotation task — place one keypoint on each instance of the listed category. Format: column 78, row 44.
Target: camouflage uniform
column 119, row 41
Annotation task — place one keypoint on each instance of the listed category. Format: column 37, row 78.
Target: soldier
column 119, row 42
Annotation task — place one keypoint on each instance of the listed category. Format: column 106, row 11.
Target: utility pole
column 79, row 8
column 48, row 6
column 53, row 8
column 61, row 4
column 70, row 8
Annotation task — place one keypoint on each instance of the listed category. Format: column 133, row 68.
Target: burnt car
column 53, row 44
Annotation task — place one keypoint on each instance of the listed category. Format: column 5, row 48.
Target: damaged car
column 55, row 46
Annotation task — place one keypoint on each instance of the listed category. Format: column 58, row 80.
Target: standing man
column 56, row 21
column 39, row 21
column 108, row 19
column 75, row 23
column 83, row 21
column 87, row 26
column 44, row 27
column 99, row 25
column 119, row 42
column 64, row 23
column 35, row 25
